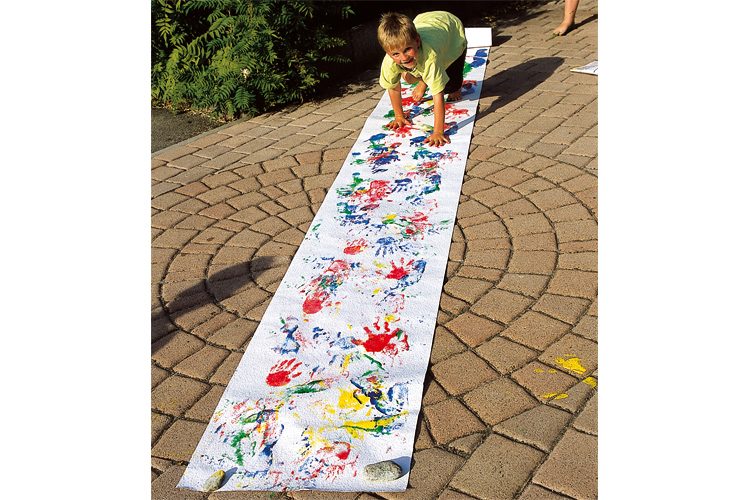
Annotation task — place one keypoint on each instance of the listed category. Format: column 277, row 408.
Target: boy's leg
column 409, row 78
column 455, row 78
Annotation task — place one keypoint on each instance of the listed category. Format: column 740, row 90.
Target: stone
column 213, row 483
column 383, row 471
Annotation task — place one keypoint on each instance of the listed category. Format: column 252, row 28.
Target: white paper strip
column 478, row 37
column 332, row 379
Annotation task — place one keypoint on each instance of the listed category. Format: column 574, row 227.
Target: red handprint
column 282, row 373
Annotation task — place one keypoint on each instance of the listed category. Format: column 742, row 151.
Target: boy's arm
column 400, row 120
column 438, row 137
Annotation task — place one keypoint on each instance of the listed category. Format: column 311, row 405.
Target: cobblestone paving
column 510, row 402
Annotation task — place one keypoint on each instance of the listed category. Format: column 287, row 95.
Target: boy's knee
column 409, row 78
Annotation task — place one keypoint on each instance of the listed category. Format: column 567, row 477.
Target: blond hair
column 395, row 30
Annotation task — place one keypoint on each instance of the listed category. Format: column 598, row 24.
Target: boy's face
column 407, row 55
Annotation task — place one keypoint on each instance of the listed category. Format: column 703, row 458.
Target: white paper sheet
column 332, row 379
column 478, row 37
column 591, row 68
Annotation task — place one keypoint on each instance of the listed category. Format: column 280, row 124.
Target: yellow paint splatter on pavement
column 555, row 395
column 539, row 370
column 590, row 381
column 572, row 364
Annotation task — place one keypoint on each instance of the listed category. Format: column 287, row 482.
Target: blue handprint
column 386, row 245
column 376, row 137
column 433, row 184
column 356, row 219
column 402, row 185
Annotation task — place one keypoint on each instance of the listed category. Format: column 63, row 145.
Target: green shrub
column 232, row 57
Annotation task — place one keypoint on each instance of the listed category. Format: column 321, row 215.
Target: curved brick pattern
column 509, row 409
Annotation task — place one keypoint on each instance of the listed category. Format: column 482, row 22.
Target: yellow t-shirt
column 443, row 41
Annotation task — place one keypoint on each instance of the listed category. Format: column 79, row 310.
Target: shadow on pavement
column 217, row 287
column 585, row 21
column 512, row 83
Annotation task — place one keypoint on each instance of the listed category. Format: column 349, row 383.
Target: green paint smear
column 307, row 388
column 351, row 188
column 380, row 365
column 235, row 443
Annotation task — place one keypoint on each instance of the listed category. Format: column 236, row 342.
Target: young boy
column 429, row 51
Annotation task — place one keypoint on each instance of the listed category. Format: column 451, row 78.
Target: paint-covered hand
column 397, row 123
column 437, row 139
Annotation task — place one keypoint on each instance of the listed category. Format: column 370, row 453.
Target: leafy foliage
column 241, row 56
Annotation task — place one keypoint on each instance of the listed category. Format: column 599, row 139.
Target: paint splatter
column 572, row 363
column 590, row 381
column 555, row 395
column 283, row 372
column 376, row 426
column 323, row 287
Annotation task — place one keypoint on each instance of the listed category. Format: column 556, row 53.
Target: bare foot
column 454, row 96
column 419, row 91
column 564, row 27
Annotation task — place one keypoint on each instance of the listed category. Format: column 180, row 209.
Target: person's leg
column 455, row 78
column 409, row 78
column 569, row 17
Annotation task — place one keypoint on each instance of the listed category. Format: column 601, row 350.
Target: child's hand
column 437, row 139
column 397, row 123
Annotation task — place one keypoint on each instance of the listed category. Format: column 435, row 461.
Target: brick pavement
column 510, row 402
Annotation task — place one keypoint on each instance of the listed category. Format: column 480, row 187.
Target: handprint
column 451, row 128
column 355, row 219
column 283, row 372
column 355, row 247
column 402, row 185
column 386, row 245
column 406, row 273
